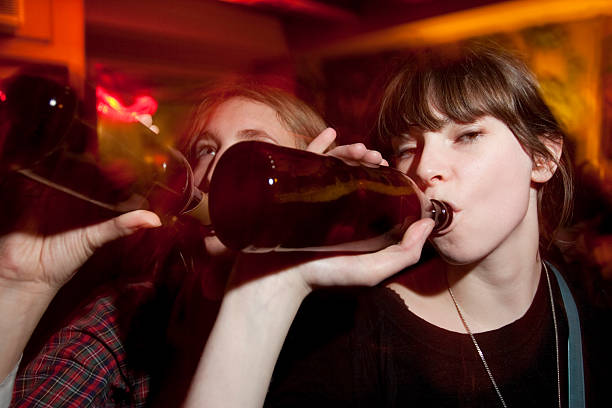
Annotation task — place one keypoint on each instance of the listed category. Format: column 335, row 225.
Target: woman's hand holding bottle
column 35, row 264
column 265, row 292
column 321, row 269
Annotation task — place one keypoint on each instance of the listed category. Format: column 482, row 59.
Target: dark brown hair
column 464, row 83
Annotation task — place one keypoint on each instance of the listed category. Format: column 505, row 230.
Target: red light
column 111, row 107
column 2, row 96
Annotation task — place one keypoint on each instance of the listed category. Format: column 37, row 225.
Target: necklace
column 481, row 354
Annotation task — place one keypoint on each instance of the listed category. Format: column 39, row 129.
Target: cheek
column 200, row 169
column 495, row 200
column 504, row 177
column 503, row 191
column 198, row 174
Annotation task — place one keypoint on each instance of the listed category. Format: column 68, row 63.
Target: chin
column 459, row 256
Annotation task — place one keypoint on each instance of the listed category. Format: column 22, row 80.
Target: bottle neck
column 198, row 207
column 442, row 214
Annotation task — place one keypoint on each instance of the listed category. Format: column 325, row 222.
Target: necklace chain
column 481, row 354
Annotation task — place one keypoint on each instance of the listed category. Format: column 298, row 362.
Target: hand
column 306, row 271
column 33, row 261
column 356, row 153
column 262, row 300
column 324, row 270
column 264, row 294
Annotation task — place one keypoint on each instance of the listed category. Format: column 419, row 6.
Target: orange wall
column 52, row 33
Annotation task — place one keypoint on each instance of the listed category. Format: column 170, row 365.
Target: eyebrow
column 246, row 134
column 204, row 135
column 250, row 133
column 254, row 133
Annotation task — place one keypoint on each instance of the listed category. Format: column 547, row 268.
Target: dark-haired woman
column 486, row 323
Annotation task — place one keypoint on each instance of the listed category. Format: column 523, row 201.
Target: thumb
column 417, row 233
column 402, row 255
column 121, row 226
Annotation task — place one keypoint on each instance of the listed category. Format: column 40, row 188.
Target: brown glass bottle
column 265, row 197
column 43, row 137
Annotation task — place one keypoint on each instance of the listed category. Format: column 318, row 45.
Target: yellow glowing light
column 496, row 18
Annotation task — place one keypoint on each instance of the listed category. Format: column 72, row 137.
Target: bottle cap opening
column 442, row 214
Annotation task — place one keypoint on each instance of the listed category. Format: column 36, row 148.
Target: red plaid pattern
column 84, row 364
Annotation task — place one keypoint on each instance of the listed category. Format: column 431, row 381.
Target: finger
column 121, row 226
column 373, row 157
column 358, row 153
column 322, row 142
column 370, row 269
column 391, row 260
column 352, row 152
column 417, row 233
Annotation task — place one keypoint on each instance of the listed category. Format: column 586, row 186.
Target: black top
column 365, row 348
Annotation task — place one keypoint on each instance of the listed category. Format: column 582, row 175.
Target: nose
column 431, row 167
column 203, row 170
column 205, row 184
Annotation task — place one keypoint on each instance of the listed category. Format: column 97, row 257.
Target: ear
column 543, row 168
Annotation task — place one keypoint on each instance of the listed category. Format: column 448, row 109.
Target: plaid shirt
column 83, row 364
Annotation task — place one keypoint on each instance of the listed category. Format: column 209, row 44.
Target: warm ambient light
column 111, row 107
column 311, row 7
column 495, row 18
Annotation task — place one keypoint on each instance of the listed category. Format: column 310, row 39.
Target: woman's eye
column 469, row 137
column 406, row 152
column 205, row 150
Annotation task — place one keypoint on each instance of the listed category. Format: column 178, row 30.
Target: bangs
column 431, row 92
column 464, row 83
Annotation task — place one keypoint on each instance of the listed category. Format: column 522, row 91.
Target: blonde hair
column 294, row 114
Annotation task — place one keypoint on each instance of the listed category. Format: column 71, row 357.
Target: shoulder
column 82, row 362
column 85, row 349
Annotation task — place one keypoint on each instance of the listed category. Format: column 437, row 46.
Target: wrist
column 28, row 295
column 282, row 291
column 21, row 308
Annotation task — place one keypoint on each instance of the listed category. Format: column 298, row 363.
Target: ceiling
column 311, row 23
column 345, row 10
column 172, row 45
column 169, row 49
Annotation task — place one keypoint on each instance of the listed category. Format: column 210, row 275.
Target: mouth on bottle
column 442, row 214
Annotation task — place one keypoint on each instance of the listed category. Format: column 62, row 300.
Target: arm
column 264, row 294
column 83, row 364
column 34, row 266
column 256, row 313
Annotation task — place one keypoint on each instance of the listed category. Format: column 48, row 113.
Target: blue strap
column 575, row 370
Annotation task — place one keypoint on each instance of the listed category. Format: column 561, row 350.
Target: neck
column 499, row 288
column 493, row 295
